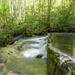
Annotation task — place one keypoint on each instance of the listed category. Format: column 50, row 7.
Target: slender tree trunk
column 42, row 13
column 10, row 5
column 45, row 10
column 49, row 10
column 63, row 2
column 39, row 6
column 4, row 11
column 12, row 8
column 20, row 13
column 54, row 3
column 74, row 8
column 24, row 9
column 16, row 7
column 32, row 9
column 39, row 11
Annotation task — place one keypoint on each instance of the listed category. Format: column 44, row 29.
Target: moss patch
column 52, row 62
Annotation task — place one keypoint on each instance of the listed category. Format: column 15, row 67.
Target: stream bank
column 59, row 63
column 6, row 36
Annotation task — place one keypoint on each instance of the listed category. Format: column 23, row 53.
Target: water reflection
column 64, row 42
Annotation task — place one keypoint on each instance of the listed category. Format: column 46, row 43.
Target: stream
column 28, row 55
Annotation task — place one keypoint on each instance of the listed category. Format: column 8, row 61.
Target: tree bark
column 4, row 11
column 32, row 9
column 20, row 13
column 24, row 9
column 12, row 8
column 49, row 10
column 16, row 7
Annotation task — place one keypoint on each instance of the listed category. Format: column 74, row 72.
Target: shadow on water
column 65, row 42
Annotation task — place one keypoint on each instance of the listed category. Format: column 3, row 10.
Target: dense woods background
column 29, row 17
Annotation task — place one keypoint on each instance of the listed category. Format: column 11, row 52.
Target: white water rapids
column 25, row 51
column 34, row 47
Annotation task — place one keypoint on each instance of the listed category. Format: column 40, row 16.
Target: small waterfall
column 31, row 53
column 36, row 49
column 43, row 50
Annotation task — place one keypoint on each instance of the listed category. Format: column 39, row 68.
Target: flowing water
column 21, row 56
column 24, row 57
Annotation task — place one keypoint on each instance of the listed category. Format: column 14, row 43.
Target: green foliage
column 62, row 17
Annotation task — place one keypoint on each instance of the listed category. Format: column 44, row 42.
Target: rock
column 14, row 39
column 5, row 61
column 9, row 53
column 39, row 56
column 14, row 73
column 71, row 30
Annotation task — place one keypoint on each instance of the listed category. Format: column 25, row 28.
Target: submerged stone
column 71, row 30
column 14, row 39
column 39, row 56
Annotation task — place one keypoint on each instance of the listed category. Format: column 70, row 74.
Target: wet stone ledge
column 59, row 63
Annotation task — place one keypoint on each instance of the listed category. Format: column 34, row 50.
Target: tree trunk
column 32, row 8
column 4, row 11
column 24, row 9
column 74, row 7
column 10, row 5
column 20, row 13
column 39, row 8
column 16, row 7
column 12, row 8
column 62, row 2
column 49, row 10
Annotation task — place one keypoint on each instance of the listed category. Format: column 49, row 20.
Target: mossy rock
column 53, row 62
column 5, row 40
column 55, row 68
